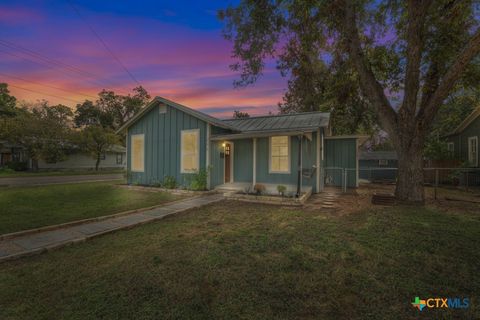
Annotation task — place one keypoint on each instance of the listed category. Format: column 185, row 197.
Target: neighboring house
column 114, row 158
column 169, row 139
column 463, row 142
column 378, row 165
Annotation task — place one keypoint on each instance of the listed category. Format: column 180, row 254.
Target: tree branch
column 371, row 88
column 470, row 51
column 415, row 42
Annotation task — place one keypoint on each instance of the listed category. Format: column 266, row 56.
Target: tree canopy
column 405, row 57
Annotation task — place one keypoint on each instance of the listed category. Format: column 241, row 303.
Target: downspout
column 299, row 174
column 254, row 174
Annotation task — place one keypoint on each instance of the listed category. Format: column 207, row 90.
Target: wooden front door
column 228, row 169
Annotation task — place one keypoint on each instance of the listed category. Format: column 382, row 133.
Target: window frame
column 473, row 163
column 121, row 158
column 452, row 149
column 132, row 138
column 182, row 132
column 270, row 157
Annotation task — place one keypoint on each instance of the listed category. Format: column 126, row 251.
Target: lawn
column 24, row 208
column 19, row 174
column 234, row 260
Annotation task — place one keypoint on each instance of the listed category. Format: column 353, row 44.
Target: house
column 463, row 141
column 378, row 165
column 167, row 139
column 113, row 158
column 15, row 157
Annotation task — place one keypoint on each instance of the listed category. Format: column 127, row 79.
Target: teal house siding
column 216, row 164
column 243, row 160
column 162, row 145
column 341, row 154
column 460, row 140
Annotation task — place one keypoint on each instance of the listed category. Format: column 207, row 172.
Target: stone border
column 270, row 199
column 11, row 235
column 172, row 191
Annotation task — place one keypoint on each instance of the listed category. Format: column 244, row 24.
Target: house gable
column 470, row 128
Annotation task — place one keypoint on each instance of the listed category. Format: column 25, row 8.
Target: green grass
column 24, row 208
column 19, row 174
column 247, row 261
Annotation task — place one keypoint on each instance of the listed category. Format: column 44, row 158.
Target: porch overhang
column 262, row 134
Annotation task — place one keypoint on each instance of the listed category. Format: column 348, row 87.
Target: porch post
column 299, row 168
column 254, row 161
column 207, row 160
column 318, row 161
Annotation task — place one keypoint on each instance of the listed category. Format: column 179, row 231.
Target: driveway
column 36, row 181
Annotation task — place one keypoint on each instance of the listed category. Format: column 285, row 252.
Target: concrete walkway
column 37, row 181
column 34, row 243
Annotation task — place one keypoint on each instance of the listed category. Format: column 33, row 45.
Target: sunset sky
column 174, row 49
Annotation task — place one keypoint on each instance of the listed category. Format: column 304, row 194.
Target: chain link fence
column 465, row 178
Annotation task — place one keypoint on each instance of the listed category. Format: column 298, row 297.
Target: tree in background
column 110, row 110
column 43, row 131
column 7, row 102
column 407, row 59
column 237, row 114
column 96, row 141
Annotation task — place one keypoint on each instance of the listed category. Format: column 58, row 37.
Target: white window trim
column 197, row 131
column 270, row 156
column 475, row 162
column 453, row 146
column 143, row 149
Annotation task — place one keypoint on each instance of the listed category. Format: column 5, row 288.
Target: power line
column 45, row 61
column 46, row 94
column 103, row 42
column 46, row 85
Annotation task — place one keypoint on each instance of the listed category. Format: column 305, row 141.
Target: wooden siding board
column 243, row 160
column 460, row 140
column 341, row 153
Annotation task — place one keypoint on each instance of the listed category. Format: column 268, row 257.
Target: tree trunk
column 97, row 163
column 409, row 188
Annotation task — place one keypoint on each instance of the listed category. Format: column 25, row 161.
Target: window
column 279, row 154
column 162, row 109
column 382, row 162
column 473, row 151
column 138, row 152
column 190, row 140
column 119, row 158
column 103, row 156
column 450, row 147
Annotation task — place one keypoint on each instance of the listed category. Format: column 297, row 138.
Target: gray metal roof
column 284, row 122
column 378, row 155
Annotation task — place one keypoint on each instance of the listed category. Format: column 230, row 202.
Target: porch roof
column 259, row 134
column 286, row 122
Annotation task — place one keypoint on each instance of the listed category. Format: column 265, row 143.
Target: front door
column 228, row 162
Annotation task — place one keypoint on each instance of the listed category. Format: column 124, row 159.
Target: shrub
column 281, row 189
column 169, row 182
column 198, row 180
column 17, row 165
column 259, row 188
column 6, row 170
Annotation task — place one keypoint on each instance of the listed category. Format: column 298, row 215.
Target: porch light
column 223, row 144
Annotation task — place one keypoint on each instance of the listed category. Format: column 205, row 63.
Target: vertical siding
column 341, row 153
column 216, row 164
column 461, row 140
column 243, row 160
column 162, row 145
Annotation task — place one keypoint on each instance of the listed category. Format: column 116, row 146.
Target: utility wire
column 46, row 94
column 53, row 67
column 103, row 42
column 46, row 85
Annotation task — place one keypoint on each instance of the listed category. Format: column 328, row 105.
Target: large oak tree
column 407, row 57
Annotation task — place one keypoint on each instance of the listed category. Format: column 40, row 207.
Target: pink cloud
column 18, row 15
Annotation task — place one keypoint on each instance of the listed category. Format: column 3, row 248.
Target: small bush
column 198, row 180
column 17, row 165
column 259, row 188
column 169, row 182
column 6, row 170
column 281, row 189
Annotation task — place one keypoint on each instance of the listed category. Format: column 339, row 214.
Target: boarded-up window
column 279, row 154
column 138, row 152
column 190, row 151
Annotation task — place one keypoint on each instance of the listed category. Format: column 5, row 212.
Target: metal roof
column 284, row 122
column 466, row 122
